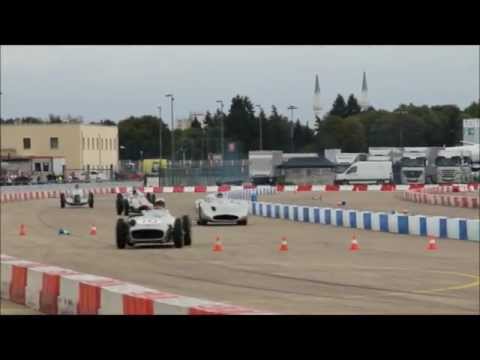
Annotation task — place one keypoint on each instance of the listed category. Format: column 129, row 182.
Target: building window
column 93, row 144
column 470, row 131
column 98, row 144
column 27, row 143
column 83, row 143
column 45, row 167
column 54, row 143
column 115, row 143
column 38, row 166
column 111, row 145
column 88, row 143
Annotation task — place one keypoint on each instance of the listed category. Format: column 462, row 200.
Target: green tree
column 196, row 124
column 352, row 106
column 339, row 107
column 472, row 111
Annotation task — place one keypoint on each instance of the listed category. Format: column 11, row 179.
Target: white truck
column 413, row 165
column 262, row 166
column 454, row 165
column 367, row 172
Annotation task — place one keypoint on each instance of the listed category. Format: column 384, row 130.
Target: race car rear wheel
column 178, row 233
column 122, row 234
column 187, row 230
column 90, row 200
column 62, row 200
column 126, row 207
column 119, row 204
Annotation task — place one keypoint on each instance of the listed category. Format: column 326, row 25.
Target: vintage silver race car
column 76, row 197
column 134, row 202
column 155, row 226
column 215, row 208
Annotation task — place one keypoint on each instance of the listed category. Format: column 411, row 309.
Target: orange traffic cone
column 93, row 230
column 218, row 246
column 432, row 244
column 23, row 230
column 283, row 245
column 354, row 246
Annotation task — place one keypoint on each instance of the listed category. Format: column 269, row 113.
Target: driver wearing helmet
column 159, row 204
column 219, row 195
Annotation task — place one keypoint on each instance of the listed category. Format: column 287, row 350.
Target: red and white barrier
column 22, row 196
column 440, row 196
column 54, row 290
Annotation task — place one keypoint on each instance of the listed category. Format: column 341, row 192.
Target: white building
column 471, row 130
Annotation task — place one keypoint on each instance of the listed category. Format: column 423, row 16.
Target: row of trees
column 345, row 126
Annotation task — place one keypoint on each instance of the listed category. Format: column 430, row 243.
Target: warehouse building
column 81, row 145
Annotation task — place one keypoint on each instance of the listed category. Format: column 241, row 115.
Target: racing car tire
column 122, row 234
column 200, row 221
column 90, row 200
column 119, row 204
column 126, row 207
column 187, row 230
column 62, row 200
column 153, row 197
column 178, row 233
column 243, row 222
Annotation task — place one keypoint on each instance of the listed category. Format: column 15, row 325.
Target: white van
column 367, row 172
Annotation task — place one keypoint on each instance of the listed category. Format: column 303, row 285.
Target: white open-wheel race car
column 134, row 202
column 218, row 209
column 156, row 226
column 76, row 197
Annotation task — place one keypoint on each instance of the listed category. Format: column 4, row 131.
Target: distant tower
column 364, row 95
column 317, row 108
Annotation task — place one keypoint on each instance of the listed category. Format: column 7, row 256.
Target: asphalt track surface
column 390, row 274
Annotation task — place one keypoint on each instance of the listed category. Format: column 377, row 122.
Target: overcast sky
column 114, row 82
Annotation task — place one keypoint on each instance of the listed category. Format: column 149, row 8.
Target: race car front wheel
column 178, row 233
column 122, row 233
column 62, row 200
column 242, row 222
column 90, row 200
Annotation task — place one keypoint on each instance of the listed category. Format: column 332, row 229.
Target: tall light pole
column 173, row 127
column 221, row 127
column 160, row 131
column 260, row 142
column 291, row 108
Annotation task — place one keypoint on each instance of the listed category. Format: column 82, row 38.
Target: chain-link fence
column 207, row 173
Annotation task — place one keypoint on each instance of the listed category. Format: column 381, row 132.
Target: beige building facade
column 81, row 145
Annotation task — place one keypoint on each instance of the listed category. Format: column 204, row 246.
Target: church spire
column 317, row 108
column 364, row 104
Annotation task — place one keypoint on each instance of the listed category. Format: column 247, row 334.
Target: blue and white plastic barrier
column 438, row 226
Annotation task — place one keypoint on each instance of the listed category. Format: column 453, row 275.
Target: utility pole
column 173, row 128
column 260, row 142
column 160, row 131
column 221, row 128
column 291, row 108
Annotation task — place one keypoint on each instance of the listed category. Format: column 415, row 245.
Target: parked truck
column 413, row 165
column 454, row 165
column 262, row 166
